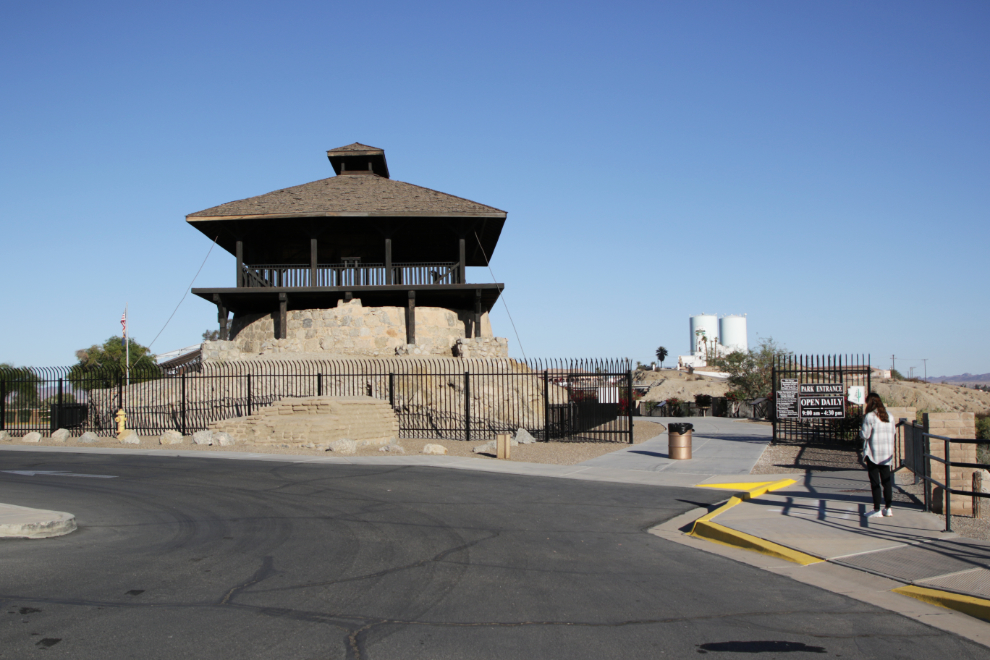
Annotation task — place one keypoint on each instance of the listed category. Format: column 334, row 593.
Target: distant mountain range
column 964, row 379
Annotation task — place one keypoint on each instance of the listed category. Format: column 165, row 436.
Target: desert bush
column 982, row 426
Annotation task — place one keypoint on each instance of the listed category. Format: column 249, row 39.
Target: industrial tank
column 709, row 324
column 732, row 332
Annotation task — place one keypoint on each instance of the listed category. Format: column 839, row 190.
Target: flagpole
column 127, row 349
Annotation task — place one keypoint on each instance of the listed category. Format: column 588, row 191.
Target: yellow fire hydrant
column 121, row 418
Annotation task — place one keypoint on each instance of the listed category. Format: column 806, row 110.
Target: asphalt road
column 206, row 558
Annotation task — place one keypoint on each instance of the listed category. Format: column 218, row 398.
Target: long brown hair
column 874, row 404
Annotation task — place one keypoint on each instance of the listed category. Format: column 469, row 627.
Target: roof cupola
column 358, row 158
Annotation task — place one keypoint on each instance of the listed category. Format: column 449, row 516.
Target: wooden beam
column 411, row 319
column 461, row 265
column 283, row 316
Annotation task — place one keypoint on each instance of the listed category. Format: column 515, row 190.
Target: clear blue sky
column 822, row 167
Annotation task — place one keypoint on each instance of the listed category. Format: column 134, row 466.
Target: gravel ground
column 780, row 459
column 557, row 453
column 962, row 525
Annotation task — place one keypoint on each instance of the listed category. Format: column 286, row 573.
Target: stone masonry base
column 315, row 420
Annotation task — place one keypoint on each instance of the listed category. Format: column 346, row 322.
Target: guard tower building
column 357, row 236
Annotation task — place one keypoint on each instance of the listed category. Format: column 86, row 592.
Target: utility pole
column 893, row 367
column 925, row 360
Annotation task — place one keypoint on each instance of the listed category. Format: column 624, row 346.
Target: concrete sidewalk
column 719, row 446
column 821, row 518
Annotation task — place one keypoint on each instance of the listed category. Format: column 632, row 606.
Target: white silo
column 706, row 323
column 732, row 332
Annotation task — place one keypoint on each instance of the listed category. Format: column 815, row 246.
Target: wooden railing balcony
column 348, row 274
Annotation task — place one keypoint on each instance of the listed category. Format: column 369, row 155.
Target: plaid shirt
column 878, row 439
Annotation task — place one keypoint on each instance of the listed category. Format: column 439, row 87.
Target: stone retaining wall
column 317, row 420
column 351, row 329
column 482, row 347
column 504, row 394
column 952, row 425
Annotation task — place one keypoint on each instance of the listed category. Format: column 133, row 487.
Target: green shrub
column 982, row 426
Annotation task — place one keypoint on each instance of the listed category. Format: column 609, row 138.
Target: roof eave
column 330, row 214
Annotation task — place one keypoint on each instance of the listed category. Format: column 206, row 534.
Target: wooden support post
column 388, row 261
column 477, row 312
column 411, row 319
column 503, row 446
column 283, row 316
column 239, row 253
column 978, row 510
column 462, row 263
column 221, row 317
column 313, row 258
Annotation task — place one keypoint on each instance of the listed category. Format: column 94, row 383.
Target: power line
column 503, row 294
column 186, row 293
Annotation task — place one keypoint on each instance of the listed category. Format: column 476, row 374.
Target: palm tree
column 661, row 355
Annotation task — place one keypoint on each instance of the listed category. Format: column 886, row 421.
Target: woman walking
column 878, row 451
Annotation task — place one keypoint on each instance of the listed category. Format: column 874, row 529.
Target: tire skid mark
column 266, row 570
column 395, row 569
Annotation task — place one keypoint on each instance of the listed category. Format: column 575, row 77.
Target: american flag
column 123, row 322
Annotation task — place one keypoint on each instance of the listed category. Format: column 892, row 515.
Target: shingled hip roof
column 368, row 195
column 355, row 147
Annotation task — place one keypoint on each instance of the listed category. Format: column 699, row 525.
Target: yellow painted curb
column 704, row 528
column 758, row 489
column 716, row 533
column 741, row 485
column 976, row 607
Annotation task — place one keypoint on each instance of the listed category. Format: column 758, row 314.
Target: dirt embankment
column 928, row 397
column 932, row 397
column 669, row 383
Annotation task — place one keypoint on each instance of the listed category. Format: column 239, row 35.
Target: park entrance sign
column 811, row 397
column 822, row 400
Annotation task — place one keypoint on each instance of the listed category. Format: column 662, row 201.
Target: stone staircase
column 316, row 420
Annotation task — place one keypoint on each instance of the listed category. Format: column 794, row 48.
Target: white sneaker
column 888, row 512
column 874, row 514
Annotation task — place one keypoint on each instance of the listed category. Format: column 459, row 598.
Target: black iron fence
column 563, row 400
column 801, row 415
column 947, row 490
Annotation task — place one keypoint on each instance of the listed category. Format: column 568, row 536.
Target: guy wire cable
column 186, row 293
column 502, row 296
